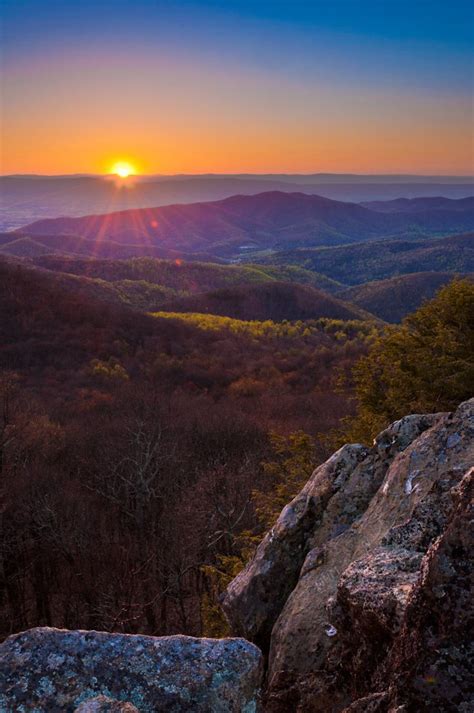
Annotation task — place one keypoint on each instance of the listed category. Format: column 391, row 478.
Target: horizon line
column 318, row 174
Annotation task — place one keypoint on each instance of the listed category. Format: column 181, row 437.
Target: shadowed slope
column 394, row 298
column 275, row 300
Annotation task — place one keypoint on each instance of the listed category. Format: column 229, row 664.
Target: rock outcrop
column 57, row 671
column 361, row 594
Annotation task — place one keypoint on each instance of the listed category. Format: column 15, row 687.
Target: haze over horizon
column 319, row 175
column 194, row 88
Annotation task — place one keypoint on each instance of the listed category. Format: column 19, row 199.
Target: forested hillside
column 182, row 276
column 131, row 445
column 367, row 261
column 394, row 298
column 274, row 300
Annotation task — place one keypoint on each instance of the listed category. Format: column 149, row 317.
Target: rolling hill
column 147, row 285
column 20, row 245
column 276, row 301
column 178, row 275
column 394, row 298
column 378, row 260
column 241, row 225
column 66, row 342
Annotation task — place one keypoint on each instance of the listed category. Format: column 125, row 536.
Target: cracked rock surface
column 56, row 670
column 360, row 595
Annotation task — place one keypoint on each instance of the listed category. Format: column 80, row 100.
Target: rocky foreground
column 56, row 670
column 361, row 594
column 360, row 597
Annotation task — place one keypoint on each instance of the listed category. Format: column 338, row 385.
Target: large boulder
column 353, row 547
column 431, row 666
column 86, row 671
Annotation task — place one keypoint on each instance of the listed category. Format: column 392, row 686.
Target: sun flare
column 123, row 169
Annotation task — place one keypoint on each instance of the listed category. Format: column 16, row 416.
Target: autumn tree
column 425, row 364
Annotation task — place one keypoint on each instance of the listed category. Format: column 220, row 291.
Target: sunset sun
column 123, row 169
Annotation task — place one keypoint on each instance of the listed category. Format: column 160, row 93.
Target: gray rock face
column 255, row 598
column 102, row 704
column 431, row 665
column 56, row 670
column 330, row 586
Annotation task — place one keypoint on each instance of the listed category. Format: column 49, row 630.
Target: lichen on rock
column 57, row 670
column 103, row 704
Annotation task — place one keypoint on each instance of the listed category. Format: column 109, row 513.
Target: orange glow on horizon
column 439, row 147
column 400, row 134
column 190, row 115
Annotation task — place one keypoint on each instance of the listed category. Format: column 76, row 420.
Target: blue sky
column 348, row 28
column 403, row 59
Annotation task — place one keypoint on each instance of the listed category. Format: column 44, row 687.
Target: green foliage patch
column 424, row 365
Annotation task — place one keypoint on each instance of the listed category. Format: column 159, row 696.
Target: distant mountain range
column 28, row 198
column 415, row 205
column 378, row 260
column 244, row 225
column 274, row 255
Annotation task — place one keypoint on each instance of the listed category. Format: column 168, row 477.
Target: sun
column 123, row 169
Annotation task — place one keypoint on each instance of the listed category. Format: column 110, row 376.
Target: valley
column 246, row 365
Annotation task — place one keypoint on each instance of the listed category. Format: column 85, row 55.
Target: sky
column 363, row 86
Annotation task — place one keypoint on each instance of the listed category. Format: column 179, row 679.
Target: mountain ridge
column 28, row 198
column 241, row 223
